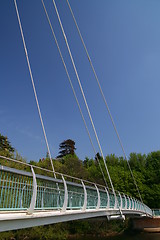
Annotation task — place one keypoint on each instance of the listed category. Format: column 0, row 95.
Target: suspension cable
column 100, row 88
column 64, row 35
column 33, row 85
column 73, row 90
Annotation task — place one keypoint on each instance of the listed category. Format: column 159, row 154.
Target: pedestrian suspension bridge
column 33, row 196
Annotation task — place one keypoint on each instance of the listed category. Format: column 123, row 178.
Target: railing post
column 125, row 201
column 42, row 202
column 141, row 207
column 120, row 201
column 108, row 202
column 85, row 197
column 115, row 201
column 132, row 203
column 144, row 208
column 65, row 195
column 137, row 205
column 22, row 196
column 129, row 200
column 99, row 200
column 30, row 210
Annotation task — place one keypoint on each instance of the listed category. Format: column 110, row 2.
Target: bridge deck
column 18, row 220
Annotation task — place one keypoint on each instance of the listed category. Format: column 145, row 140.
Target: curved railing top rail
column 50, row 171
column 29, row 174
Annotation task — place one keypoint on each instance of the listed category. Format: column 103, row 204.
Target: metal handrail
column 92, row 199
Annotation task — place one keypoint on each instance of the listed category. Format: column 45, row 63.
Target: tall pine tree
column 66, row 147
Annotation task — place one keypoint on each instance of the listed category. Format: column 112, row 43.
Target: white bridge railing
column 29, row 191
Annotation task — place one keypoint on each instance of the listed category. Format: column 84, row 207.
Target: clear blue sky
column 123, row 39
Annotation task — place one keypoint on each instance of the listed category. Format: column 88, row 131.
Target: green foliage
column 146, row 171
column 57, row 232
column 5, row 147
column 72, row 166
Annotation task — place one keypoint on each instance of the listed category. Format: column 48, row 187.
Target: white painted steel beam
column 20, row 220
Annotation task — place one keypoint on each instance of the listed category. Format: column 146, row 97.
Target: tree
column 66, row 147
column 5, row 146
column 74, row 167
